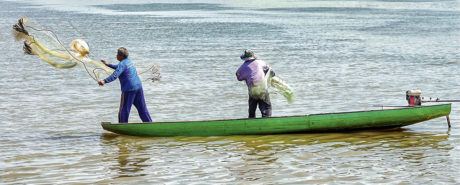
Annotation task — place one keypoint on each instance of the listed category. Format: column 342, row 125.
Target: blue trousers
column 127, row 100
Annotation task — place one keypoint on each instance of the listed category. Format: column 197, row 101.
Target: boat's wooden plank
column 307, row 123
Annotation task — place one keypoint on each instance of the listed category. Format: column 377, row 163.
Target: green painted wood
column 329, row 122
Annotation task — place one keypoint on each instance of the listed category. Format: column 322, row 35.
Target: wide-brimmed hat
column 248, row 55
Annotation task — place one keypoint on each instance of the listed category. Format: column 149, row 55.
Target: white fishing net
column 46, row 45
column 282, row 88
column 276, row 84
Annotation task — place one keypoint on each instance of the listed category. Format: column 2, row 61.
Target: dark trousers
column 127, row 100
column 265, row 106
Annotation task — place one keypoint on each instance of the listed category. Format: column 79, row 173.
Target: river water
column 336, row 55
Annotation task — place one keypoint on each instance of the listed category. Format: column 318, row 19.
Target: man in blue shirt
column 131, row 87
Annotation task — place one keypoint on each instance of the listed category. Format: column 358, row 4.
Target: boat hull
column 328, row 122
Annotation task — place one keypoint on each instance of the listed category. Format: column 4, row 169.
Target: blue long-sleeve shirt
column 126, row 72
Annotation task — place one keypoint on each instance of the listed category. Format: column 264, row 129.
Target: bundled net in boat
column 46, row 45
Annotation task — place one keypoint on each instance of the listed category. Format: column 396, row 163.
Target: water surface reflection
column 366, row 156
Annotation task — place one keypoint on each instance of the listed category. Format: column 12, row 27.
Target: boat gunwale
column 218, row 120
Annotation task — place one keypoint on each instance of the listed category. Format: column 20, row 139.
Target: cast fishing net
column 282, row 88
column 276, row 84
column 46, row 45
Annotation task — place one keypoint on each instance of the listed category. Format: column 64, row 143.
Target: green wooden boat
column 327, row 122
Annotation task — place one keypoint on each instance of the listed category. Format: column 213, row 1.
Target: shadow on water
column 251, row 158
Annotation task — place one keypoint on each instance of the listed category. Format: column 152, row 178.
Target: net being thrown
column 46, row 45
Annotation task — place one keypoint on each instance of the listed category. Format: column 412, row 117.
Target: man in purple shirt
column 256, row 73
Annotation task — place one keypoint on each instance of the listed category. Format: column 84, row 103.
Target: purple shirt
column 252, row 72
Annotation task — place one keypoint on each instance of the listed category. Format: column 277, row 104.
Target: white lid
column 414, row 92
